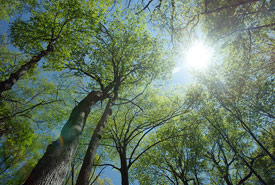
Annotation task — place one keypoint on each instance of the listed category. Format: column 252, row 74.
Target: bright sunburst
column 198, row 55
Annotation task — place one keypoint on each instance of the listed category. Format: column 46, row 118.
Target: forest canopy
column 153, row 91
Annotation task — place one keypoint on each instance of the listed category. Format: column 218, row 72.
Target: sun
column 198, row 55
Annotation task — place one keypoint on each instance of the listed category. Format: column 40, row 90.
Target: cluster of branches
column 115, row 56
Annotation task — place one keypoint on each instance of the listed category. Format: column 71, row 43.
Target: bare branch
column 146, row 6
column 97, row 175
column 107, row 164
column 148, row 148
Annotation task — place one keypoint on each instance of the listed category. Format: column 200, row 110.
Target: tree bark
column 124, row 168
column 52, row 168
column 14, row 77
column 221, row 170
column 226, row 179
column 88, row 163
column 72, row 173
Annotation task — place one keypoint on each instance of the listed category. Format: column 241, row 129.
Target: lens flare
column 198, row 55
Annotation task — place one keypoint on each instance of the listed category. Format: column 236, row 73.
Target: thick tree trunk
column 124, row 168
column 14, row 77
column 52, row 168
column 85, row 172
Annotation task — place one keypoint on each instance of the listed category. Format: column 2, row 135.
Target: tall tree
column 227, row 138
column 25, row 124
column 52, row 168
column 110, row 67
column 131, row 58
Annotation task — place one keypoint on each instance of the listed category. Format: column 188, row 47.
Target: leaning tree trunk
column 52, row 168
column 14, row 77
column 86, row 168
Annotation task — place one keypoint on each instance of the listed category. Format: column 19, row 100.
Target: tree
column 87, row 165
column 226, row 149
column 237, row 141
column 131, row 57
column 178, row 160
column 54, row 30
column 113, row 57
column 26, row 125
column 127, row 135
column 108, row 71
column 52, row 24
column 242, row 94
column 55, row 163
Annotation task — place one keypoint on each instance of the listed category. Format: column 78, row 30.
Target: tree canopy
column 87, row 87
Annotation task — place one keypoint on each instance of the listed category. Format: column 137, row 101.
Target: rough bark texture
column 14, row 77
column 52, row 168
column 85, row 172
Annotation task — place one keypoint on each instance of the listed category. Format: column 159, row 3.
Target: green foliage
column 12, row 7
column 26, row 126
column 64, row 25
column 122, row 49
column 214, row 132
column 176, row 160
column 10, row 60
